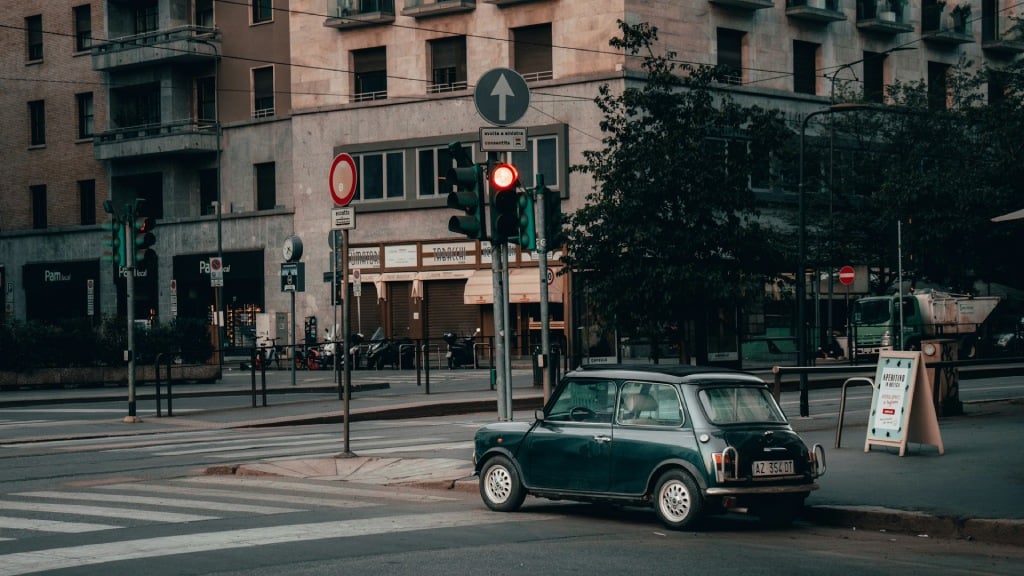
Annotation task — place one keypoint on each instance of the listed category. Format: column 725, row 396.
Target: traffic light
column 468, row 197
column 553, row 219
column 504, row 180
column 527, row 225
column 114, row 240
column 144, row 240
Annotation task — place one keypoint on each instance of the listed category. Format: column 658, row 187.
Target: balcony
column 745, row 4
column 429, row 8
column 1000, row 38
column 821, row 11
column 184, row 137
column 883, row 17
column 347, row 14
column 185, row 44
column 940, row 28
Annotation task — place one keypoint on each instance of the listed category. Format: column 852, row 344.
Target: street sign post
column 501, row 96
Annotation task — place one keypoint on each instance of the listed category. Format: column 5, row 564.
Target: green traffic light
column 527, row 223
column 467, row 196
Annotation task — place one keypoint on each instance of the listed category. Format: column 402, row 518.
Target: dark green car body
column 688, row 440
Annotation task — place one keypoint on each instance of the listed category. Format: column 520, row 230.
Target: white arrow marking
column 503, row 91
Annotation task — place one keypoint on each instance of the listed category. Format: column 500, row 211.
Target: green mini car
column 688, row 440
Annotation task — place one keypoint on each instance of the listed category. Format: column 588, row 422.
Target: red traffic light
column 504, row 177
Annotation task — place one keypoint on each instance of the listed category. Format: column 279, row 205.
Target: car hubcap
column 498, row 484
column 675, row 501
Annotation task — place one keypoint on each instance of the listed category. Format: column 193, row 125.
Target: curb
column 1001, row 531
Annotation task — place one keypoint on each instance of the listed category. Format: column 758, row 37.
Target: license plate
column 773, row 467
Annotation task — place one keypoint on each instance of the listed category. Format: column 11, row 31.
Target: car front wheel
column 500, row 487
column 678, row 502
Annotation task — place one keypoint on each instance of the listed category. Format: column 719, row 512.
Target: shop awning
column 524, row 287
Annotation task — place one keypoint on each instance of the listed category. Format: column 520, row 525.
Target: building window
column 38, row 194
column 447, row 64
column 432, row 166
column 208, row 191
column 531, row 52
column 938, row 77
column 262, row 11
column 805, row 65
column 136, row 106
column 85, row 115
column 147, row 17
column 730, row 54
column 874, row 77
column 204, row 13
column 266, row 192
column 37, row 121
column 370, row 71
column 34, row 29
column 998, row 85
column 206, row 100
column 263, row 92
column 87, row 201
column 381, row 176
column 541, row 157
column 83, row 27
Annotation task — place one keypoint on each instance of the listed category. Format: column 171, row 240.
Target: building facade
column 224, row 118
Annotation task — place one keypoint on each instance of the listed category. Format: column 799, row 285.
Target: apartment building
column 224, row 116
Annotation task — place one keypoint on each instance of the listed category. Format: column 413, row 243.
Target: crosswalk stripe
column 94, row 554
column 420, row 447
column 71, row 509
column 321, row 489
column 215, row 493
column 37, row 525
column 153, row 501
column 290, row 450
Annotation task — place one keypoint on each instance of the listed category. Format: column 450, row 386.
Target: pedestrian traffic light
column 467, row 197
column 504, row 180
column 144, row 240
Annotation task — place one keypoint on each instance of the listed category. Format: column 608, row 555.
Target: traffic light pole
column 547, row 370
column 497, row 276
column 129, row 222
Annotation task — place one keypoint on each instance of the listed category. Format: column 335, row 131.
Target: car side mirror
column 538, row 414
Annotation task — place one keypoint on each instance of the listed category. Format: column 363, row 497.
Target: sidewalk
column 974, row 491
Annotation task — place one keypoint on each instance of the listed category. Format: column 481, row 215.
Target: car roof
column 672, row 373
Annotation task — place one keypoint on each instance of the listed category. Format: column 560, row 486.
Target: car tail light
column 727, row 464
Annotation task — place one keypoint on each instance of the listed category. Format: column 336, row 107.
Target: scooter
column 460, row 350
column 268, row 354
column 382, row 351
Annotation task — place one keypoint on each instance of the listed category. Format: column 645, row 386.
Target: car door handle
column 601, row 438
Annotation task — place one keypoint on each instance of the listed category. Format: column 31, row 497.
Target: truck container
column 927, row 314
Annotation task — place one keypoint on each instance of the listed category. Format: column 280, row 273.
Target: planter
column 888, row 16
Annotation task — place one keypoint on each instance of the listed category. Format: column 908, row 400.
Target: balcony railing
column 538, row 76
column 183, row 137
column 447, row 87
column 939, row 27
column 181, row 44
column 345, row 14
column 428, row 8
column 883, row 16
column 815, row 10
column 370, row 96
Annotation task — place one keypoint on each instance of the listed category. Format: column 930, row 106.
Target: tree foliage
column 670, row 228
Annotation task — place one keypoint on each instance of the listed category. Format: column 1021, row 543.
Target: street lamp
column 801, row 278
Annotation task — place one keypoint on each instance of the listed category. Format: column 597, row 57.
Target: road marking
column 94, row 554
column 38, row 525
column 153, row 501
column 71, row 509
column 215, row 493
column 420, row 447
column 397, row 494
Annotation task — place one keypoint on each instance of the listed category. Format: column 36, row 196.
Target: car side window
column 649, row 404
column 584, row 401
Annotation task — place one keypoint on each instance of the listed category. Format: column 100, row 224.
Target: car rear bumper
column 745, row 490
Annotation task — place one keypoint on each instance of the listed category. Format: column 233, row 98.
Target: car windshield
column 740, row 405
column 871, row 311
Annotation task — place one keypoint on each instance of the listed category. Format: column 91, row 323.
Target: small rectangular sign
column 502, row 139
column 343, row 218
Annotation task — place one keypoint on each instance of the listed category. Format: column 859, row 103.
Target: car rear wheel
column 678, row 502
column 500, row 487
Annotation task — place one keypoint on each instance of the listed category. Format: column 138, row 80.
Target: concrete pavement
column 975, row 490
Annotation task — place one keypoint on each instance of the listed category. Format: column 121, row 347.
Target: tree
column 669, row 231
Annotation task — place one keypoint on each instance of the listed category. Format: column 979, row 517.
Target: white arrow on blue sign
column 501, row 96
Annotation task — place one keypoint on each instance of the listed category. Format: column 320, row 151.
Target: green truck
column 926, row 314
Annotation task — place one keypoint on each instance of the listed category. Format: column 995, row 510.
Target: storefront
column 56, row 291
column 243, row 291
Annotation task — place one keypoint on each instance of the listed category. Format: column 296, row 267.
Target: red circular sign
column 343, row 179
column 846, row 275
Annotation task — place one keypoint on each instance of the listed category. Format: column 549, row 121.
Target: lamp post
column 801, row 272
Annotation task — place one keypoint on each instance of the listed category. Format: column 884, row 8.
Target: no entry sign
column 343, row 179
column 846, row 275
